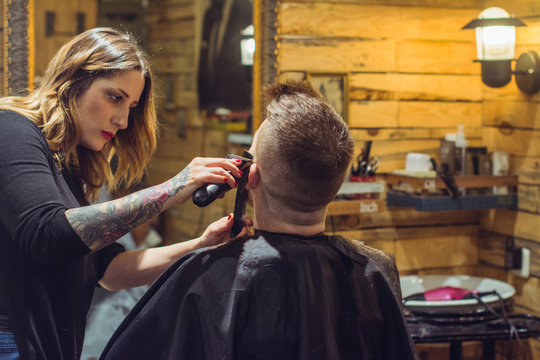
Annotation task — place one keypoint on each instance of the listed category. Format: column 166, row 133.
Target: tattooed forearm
column 179, row 181
column 101, row 224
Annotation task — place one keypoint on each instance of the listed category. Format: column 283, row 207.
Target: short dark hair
column 304, row 147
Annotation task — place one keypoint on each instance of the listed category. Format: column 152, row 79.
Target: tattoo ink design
column 101, row 224
column 180, row 180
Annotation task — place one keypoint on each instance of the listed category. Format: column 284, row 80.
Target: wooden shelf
column 466, row 181
column 423, row 193
column 446, row 203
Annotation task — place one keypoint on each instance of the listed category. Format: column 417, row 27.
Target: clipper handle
column 206, row 194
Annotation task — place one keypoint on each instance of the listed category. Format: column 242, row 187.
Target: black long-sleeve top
column 47, row 274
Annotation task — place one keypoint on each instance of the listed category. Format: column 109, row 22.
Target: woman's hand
column 201, row 171
column 220, row 231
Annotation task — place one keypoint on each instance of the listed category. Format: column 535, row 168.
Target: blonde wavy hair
column 52, row 106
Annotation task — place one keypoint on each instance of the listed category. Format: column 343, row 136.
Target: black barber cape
column 270, row 296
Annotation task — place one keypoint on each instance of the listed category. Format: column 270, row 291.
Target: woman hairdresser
column 94, row 101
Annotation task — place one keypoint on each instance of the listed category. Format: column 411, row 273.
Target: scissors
column 365, row 165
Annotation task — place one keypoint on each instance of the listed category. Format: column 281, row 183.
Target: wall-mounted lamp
column 495, row 48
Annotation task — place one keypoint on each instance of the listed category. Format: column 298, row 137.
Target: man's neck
column 288, row 229
column 277, row 219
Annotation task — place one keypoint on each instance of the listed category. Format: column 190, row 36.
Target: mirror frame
column 18, row 46
column 265, row 69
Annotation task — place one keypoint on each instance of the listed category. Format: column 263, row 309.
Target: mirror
column 224, row 77
column 224, row 80
column 264, row 69
column 235, row 83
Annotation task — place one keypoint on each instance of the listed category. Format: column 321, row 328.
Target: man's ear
column 254, row 177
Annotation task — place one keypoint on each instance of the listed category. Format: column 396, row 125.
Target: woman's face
column 104, row 107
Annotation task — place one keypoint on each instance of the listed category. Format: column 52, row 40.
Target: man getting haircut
column 288, row 291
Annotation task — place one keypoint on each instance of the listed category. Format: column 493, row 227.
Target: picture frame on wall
column 334, row 87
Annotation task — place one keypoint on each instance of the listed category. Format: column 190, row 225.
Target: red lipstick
column 107, row 135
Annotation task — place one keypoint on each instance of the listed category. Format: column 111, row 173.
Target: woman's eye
column 115, row 97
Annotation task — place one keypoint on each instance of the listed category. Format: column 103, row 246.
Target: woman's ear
column 253, row 177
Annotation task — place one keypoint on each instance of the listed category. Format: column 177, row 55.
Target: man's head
column 303, row 148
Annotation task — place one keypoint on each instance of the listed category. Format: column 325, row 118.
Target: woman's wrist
column 199, row 243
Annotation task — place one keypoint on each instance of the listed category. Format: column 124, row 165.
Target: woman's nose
column 121, row 119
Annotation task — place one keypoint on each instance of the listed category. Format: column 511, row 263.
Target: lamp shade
column 495, row 34
column 495, row 42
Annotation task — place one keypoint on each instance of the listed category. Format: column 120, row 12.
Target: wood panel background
column 411, row 79
column 65, row 26
column 406, row 66
column 510, row 122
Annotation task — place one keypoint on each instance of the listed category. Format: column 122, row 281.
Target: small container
column 364, row 195
column 460, row 151
column 417, row 162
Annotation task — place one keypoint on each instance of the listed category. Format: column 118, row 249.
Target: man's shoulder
column 378, row 259
column 377, row 255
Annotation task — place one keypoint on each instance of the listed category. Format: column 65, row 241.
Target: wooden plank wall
column 511, row 122
column 65, row 26
column 411, row 79
column 410, row 74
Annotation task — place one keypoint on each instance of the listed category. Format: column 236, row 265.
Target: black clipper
column 241, row 198
column 207, row 193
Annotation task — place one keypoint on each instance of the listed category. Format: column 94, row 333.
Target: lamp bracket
column 527, row 72
column 481, row 61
